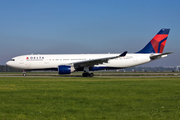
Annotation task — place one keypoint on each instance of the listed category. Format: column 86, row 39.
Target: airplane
column 68, row 63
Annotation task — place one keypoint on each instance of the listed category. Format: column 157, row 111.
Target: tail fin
column 157, row 44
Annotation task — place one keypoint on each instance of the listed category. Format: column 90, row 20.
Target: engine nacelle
column 65, row 69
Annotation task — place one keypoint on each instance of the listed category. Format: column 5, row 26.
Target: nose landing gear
column 24, row 73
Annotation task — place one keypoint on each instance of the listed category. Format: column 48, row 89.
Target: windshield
column 12, row 59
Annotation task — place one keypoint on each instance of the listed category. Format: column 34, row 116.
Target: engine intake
column 65, row 69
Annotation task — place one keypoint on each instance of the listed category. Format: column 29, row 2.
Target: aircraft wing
column 97, row 61
column 154, row 57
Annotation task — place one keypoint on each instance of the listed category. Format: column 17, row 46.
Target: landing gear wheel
column 85, row 74
column 24, row 74
column 91, row 74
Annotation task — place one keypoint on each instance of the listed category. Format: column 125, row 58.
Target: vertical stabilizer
column 157, row 44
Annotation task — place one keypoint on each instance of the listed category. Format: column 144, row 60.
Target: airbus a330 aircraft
column 67, row 63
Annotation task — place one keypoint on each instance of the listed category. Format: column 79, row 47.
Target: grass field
column 76, row 98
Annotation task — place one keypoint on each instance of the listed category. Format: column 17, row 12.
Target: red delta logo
column 35, row 58
column 158, row 42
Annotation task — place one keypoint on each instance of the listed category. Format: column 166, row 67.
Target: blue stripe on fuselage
column 104, row 68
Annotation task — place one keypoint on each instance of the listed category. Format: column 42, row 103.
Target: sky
column 87, row 26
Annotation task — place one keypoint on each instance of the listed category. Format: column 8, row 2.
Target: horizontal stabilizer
column 154, row 57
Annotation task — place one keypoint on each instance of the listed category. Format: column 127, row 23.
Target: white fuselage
column 68, row 63
column 45, row 61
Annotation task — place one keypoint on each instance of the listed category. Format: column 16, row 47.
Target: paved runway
column 97, row 74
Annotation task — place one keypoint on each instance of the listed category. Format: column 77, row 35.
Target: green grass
column 68, row 98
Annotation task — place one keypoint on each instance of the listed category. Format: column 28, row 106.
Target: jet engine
column 65, row 69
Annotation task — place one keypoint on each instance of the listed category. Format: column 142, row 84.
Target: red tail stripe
column 162, row 46
column 155, row 44
column 160, row 37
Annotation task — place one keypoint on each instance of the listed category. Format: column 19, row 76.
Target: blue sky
column 87, row 26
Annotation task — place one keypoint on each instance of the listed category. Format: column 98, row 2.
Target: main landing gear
column 86, row 74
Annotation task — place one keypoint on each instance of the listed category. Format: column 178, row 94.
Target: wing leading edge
column 96, row 61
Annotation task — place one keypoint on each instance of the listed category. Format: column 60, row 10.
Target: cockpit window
column 12, row 59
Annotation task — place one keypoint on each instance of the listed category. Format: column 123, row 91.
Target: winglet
column 123, row 54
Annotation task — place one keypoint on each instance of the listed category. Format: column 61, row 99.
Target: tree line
column 5, row 68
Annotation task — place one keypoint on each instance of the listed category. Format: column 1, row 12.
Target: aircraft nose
column 8, row 63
